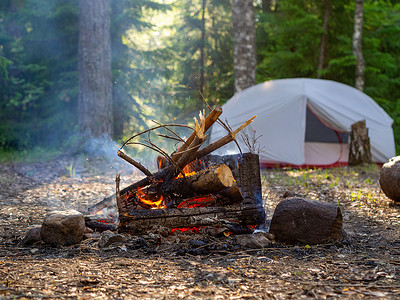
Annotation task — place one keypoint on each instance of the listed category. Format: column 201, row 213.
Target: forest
column 80, row 78
column 168, row 56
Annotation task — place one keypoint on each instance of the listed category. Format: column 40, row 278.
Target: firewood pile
column 191, row 188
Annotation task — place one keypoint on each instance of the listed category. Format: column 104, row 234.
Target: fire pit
column 192, row 188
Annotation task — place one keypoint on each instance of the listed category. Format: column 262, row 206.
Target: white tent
column 306, row 122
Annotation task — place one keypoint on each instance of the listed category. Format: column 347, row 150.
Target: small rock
column 63, row 228
column 88, row 230
column 32, row 236
column 197, row 243
column 107, row 238
column 255, row 241
column 389, row 178
column 298, row 220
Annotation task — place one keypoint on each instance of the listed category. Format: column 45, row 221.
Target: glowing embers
column 198, row 202
column 154, row 201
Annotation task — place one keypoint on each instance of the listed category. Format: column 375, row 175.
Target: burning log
column 217, row 181
column 142, row 219
column 208, row 181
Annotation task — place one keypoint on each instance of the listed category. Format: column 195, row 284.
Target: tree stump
column 389, row 178
column 305, row 221
column 360, row 148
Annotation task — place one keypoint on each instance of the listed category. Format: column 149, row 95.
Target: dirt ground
column 192, row 266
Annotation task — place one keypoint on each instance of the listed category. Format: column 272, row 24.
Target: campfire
column 192, row 188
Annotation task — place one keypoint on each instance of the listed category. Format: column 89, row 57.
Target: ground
column 191, row 266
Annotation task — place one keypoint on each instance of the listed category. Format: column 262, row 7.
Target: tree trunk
column 244, row 44
column 324, row 40
column 360, row 148
column 357, row 44
column 203, row 43
column 94, row 69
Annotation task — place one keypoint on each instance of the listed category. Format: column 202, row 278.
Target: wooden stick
column 117, row 193
column 222, row 141
column 211, row 118
column 188, row 156
column 134, row 163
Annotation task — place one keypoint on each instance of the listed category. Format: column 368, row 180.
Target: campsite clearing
column 366, row 264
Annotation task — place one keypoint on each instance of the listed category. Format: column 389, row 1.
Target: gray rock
column 107, row 238
column 255, row 241
column 298, row 220
column 32, row 236
column 389, row 178
column 63, row 228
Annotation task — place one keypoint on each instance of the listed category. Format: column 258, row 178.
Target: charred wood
column 136, row 221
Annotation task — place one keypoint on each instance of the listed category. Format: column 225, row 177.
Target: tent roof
column 281, row 109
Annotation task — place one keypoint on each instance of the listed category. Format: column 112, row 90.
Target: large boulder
column 63, row 228
column 298, row 220
column 389, row 178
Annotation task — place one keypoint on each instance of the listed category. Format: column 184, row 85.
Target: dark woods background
column 167, row 55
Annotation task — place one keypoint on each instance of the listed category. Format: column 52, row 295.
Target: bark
column 360, row 148
column 202, row 48
column 324, row 40
column 298, row 220
column 389, row 179
column 94, row 69
column 357, row 44
column 244, row 44
column 249, row 180
column 137, row 221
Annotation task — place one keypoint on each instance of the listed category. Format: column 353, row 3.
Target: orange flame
column 186, row 171
column 154, row 204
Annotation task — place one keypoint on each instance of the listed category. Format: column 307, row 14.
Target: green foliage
column 187, row 44
column 157, row 69
column 37, row 102
column 289, row 38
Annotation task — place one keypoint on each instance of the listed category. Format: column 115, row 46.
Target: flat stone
column 298, row 220
column 108, row 238
column 255, row 241
column 389, row 178
column 63, row 228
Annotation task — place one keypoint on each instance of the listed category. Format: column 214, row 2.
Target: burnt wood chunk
column 140, row 220
column 298, row 220
column 360, row 148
